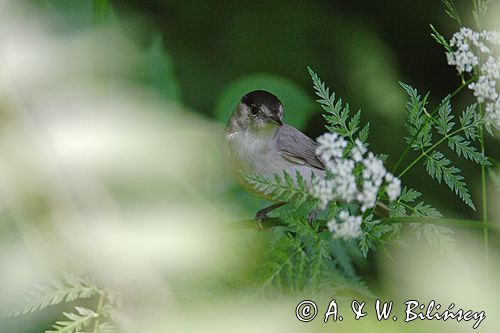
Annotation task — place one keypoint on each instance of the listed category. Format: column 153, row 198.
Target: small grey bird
column 257, row 142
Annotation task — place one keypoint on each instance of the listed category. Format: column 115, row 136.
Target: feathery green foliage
column 451, row 10
column 303, row 257
column 338, row 114
column 404, row 203
column 421, row 125
column 437, row 236
column 418, row 125
column 479, row 10
column 106, row 328
column 76, row 321
column 375, row 234
column 439, row 167
column 69, row 289
column 440, row 39
column 72, row 288
column 282, row 189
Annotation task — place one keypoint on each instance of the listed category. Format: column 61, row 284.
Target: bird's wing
column 297, row 147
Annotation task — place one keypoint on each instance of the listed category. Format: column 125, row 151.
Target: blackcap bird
column 257, row 142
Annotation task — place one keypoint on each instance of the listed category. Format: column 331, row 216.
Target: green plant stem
column 408, row 146
column 426, row 152
column 100, row 304
column 484, row 195
column 276, row 222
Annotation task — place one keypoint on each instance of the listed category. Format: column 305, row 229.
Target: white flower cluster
column 348, row 229
column 354, row 177
column 473, row 50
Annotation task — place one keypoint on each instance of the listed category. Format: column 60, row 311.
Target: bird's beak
column 277, row 120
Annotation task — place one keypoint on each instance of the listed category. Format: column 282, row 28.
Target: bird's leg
column 262, row 214
column 381, row 210
column 313, row 215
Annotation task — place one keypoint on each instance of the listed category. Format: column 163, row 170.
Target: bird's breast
column 249, row 152
column 252, row 154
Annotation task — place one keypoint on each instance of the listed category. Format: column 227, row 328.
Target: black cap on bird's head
column 264, row 104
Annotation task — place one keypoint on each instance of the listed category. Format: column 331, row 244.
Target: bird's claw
column 312, row 216
column 261, row 216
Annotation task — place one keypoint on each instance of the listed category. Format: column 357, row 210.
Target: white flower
column 491, row 68
column 358, row 151
column 374, row 169
column 393, row 188
column 491, row 37
column 331, row 145
column 344, row 180
column 468, row 48
column 463, row 58
column 345, row 226
column 368, row 196
column 492, row 111
column 484, row 89
column 324, row 190
column 356, row 177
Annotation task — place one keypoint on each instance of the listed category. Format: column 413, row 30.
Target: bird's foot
column 312, row 216
column 261, row 216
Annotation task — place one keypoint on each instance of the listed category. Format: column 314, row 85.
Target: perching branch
column 272, row 222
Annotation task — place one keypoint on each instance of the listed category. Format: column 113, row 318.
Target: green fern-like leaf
column 419, row 127
column 106, row 328
column 440, row 168
column 399, row 207
column 440, row 39
column 451, row 10
column 67, row 290
column 363, row 134
column 338, row 115
column 422, row 209
column 373, row 234
column 284, row 264
column 437, row 236
column 409, row 195
column 76, row 321
column 444, row 121
column 470, row 121
column 463, row 148
column 479, row 11
column 282, row 189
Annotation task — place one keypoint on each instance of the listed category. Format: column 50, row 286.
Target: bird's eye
column 254, row 110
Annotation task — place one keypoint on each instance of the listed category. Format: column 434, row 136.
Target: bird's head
column 259, row 109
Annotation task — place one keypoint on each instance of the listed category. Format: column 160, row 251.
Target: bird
column 258, row 142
